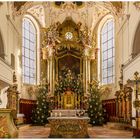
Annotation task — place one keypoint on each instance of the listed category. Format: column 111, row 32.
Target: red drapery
column 110, row 107
column 25, row 107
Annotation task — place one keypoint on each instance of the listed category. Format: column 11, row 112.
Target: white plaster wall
column 126, row 32
column 126, row 35
column 6, row 72
column 9, row 28
column 131, row 68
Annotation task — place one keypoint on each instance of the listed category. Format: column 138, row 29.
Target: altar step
column 118, row 126
column 23, row 126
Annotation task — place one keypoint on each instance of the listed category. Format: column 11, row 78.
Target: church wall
column 118, row 53
column 10, row 34
column 125, row 28
column 127, row 31
column 126, row 35
column 131, row 68
column 112, row 87
column 27, row 90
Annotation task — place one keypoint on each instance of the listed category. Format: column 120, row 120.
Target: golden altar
column 68, row 100
column 68, row 127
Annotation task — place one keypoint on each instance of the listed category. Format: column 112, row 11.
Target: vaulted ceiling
column 18, row 5
column 88, row 13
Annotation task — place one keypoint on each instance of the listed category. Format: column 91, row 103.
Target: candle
column 55, row 114
column 51, row 114
column 60, row 114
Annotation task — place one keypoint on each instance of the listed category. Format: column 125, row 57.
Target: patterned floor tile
column 94, row 132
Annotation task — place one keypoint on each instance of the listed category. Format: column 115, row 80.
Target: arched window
column 29, row 44
column 107, row 52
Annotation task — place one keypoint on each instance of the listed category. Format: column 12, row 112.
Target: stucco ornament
column 137, row 5
column 38, row 12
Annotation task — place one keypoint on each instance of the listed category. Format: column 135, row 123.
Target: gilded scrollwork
column 7, row 126
column 1, row 3
column 20, row 8
column 3, row 127
column 55, row 36
column 74, row 128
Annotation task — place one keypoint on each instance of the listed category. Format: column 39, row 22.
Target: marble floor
column 28, row 131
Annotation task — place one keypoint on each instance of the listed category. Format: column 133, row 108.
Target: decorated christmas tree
column 41, row 112
column 95, row 110
column 68, row 81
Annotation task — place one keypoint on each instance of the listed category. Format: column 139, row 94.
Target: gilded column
column 84, row 75
column 89, row 70
column 53, row 75
column 51, row 72
column 48, row 74
column 51, row 69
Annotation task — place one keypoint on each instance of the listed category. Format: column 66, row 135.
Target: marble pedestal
column 68, row 127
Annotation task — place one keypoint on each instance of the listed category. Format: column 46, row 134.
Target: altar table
column 68, row 127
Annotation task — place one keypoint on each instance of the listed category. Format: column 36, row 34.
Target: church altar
column 68, row 66
column 69, row 127
column 66, row 112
